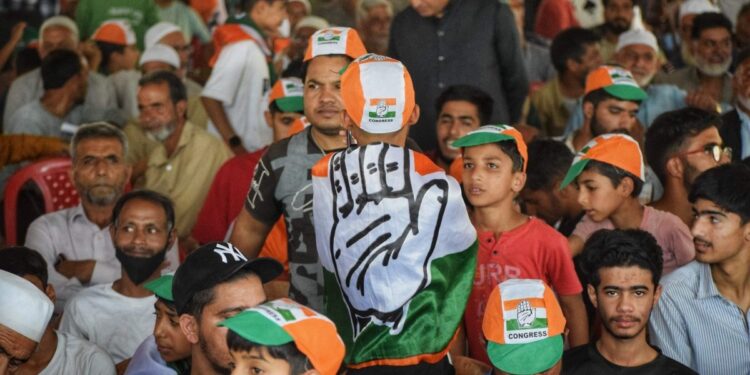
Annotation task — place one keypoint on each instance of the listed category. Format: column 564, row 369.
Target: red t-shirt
column 533, row 250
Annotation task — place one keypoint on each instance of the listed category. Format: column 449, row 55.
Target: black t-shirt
column 586, row 360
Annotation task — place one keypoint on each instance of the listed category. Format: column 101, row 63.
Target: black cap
column 212, row 264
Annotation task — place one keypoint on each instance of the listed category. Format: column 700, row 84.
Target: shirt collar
column 706, row 286
column 744, row 118
column 160, row 153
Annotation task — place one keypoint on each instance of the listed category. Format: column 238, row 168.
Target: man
column 574, row 53
column 460, row 42
column 76, row 242
column 233, row 94
column 461, row 109
column 24, row 314
column 685, row 16
column 282, row 182
column 735, row 128
column 117, row 43
column 216, row 282
column 118, row 316
column 542, row 197
column 58, row 352
column 701, row 318
column 292, row 61
column 623, row 268
column 618, row 16
column 61, row 32
column 187, row 157
column 680, row 145
column 711, row 46
column 57, row 113
column 141, row 14
column 374, row 19
column 385, row 219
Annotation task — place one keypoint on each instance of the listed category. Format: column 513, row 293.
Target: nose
column 625, row 303
column 455, row 129
column 583, row 198
column 699, row 227
column 159, row 329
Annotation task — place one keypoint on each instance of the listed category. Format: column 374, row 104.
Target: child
column 609, row 172
column 511, row 245
column 283, row 337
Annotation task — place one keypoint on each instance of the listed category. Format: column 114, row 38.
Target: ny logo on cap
column 224, row 250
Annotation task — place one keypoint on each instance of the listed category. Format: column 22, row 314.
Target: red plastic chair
column 52, row 178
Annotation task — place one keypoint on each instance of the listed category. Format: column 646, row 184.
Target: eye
column 492, row 165
column 639, row 293
column 468, row 165
column 610, row 293
column 714, row 219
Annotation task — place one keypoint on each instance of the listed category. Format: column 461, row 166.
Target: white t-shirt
column 238, row 80
column 76, row 356
column 118, row 324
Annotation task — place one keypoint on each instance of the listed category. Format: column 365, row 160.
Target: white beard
column 712, row 70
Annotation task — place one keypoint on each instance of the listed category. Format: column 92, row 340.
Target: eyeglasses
column 716, row 151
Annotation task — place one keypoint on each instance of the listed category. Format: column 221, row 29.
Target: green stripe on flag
column 390, row 114
column 512, row 325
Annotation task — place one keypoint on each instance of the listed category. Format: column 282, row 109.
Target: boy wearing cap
column 511, row 245
column 609, row 172
column 283, row 337
column 117, row 43
column 623, row 268
column 523, row 327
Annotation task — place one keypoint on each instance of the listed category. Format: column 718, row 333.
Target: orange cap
column 616, row 81
column 618, row 150
column 116, row 32
column 335, row 41
column 299, row 125
column 495, row 133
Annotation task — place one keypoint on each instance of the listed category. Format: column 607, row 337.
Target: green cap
column 162, row 287
column 492, row 134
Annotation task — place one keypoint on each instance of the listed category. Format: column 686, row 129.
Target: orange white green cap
column 619, row 150
column 161, row 287
column 299, row 125
column 523, row 324
column 378, row 93
column 115, row 32
column 493, row 134
column 335, row 41
column 282, row 321
column 616, row 81
column 287, row 93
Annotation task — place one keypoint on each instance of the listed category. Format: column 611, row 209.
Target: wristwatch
column 234, row 141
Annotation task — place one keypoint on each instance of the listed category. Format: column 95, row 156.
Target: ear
column 625, row 188
column 519, row 180
column 657, row 293
column 592, row 295
column 588, row 110
column 112, row 229
column 50, row 292
column 414, row 117
column 172, row 238
column 674, row 168
column 311, row 372
column 346, row 121
column 189, row 327
column 571, row 65
column 269, row 118
column 181, row 108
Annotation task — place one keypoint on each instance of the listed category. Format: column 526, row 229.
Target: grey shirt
column 33, row 118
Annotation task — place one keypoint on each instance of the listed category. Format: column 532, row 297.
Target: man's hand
column 80, row 269
column 700, row 100
column 16, row 34
column 93, row 55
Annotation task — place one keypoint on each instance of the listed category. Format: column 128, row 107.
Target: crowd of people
column 306, row 187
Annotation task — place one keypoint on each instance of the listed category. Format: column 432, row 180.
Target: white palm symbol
column 381, row 108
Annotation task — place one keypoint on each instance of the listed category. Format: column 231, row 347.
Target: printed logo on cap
column 382, row 109
column 229, row 251
column 329, row 36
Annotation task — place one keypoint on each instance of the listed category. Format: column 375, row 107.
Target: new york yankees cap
column 212, row 264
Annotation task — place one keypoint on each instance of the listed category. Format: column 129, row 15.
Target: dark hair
column 548, row 160
column 247, row 5
column 606, row 2
column 599, row 95
column 58, row 67
column 727, row 186
column 198, row 301
column 570, row 44
column 620, row 248
column 298, row 361
column 509, row 148
column 149, row 196
column 274, row 108
column 709, row 20
column 306, row 64
column 471, row 94
column 670, row 130
column 745, row 8
column 27, row 59
column 615, row 175
column 22, row 261
column 107, row 50
column 177, row 91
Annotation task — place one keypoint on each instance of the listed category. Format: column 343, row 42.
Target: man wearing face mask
column 120, row 315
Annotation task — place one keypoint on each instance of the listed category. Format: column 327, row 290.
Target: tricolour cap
column 287, row 93
column 618, row 150
column 335, row 41
column 23, row 307
column 158, row 31
column 492, row 134
column 378, row 93
column 523, row 324
column 282, row 321
column 161, row 53
column 213, row 263
column 161, row 287
column 299, row 125
column 637, row 36
column 115, row 32
column 616, row 81
column 697, row 7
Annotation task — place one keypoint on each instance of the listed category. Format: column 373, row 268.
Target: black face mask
column 139, row 269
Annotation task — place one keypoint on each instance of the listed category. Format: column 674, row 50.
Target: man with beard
column 701, row 319
column 679, row 146
column 184, row 163
column 711, row 46
column 118, row 316
column 623, row 268
column 685, row 16
column 735, row 129
column 75, row 242
column 618, row 16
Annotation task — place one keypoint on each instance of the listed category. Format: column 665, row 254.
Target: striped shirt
column 697, row 326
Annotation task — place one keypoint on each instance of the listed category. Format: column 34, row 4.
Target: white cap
column 315, row 22
column 23, row 307
column 162, row 53
column 62, row 21
column 306, row 3
column 696, row 7
column 637, row 36
column 158, row 31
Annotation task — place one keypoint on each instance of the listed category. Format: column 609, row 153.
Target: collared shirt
column 744, row 134
column 697, row 326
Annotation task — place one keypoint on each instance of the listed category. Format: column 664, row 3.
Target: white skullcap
column 697, row 7
column 315, row 22
column 158, row 31
column 62, row 21
column 162, row 53
column 306, row 3
column 637, row 36
column 23, row 307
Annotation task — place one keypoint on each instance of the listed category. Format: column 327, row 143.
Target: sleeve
column 26, row 122
column 103, row 271
column 510, row 61
column 682, row 242
column 18, row 95
column 276, row 247
column 197, row 27
column 560, row 270
column 261, row 202
column 70, row 324
column 575, row 121
column 227, row 75
column 99, row 362
column 668, row 330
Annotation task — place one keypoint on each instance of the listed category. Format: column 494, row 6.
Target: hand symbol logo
column 525, row 314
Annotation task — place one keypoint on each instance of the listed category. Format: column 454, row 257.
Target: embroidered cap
column 492, row 134
column 335, row 41
column 697, row 7
column 616, row 81
column 115, row 32
column 23, row 307
column 158, row 31
column 618, row 150
column 161, row 53
column 637, row 36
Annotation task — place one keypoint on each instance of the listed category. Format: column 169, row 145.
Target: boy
column 283, row 337
column 512, row 245
column 610, row 174
column 117, row 42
